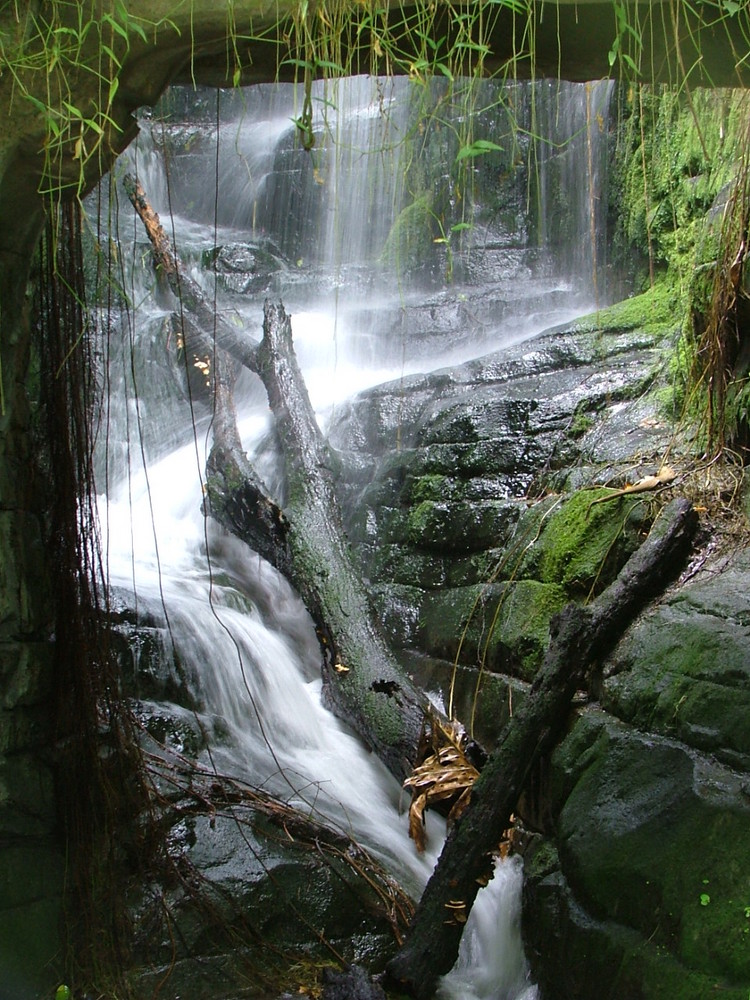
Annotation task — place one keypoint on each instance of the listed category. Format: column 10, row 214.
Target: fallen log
column 362, row 681
column 205, row 331
column 580, row 637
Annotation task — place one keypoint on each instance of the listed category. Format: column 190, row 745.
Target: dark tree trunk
column 580, row 636
column 305, row 541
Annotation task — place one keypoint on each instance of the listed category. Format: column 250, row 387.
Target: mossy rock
column 459, row 527
column 576, row 957
column 409, row 241
column 521, row 634
column 684, row 669
column 658, row 840
column 252, row 904
column 583, row 544
column 483, row 701
column 504, row 627
column 656, row 312
column 399, row 608
column 401, row 564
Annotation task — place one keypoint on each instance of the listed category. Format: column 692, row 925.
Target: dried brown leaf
column 416, row 822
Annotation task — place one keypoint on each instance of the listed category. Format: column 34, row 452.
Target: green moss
column 673, row 158
column 580, row 423
column 583, row 544
column 459, row 526
column 410, row 238
column 431, row 487
column 520, row 636
column 658, row 312
column 685, row 673
column 647, row 840
column 447, row 614
column 504, row 627
column 421, row 527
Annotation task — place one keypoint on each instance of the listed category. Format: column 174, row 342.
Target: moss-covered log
column 362, row 681
column 580, row 636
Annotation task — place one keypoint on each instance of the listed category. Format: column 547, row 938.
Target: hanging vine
column 101, row 786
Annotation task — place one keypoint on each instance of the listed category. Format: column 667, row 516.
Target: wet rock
column 580, row 541
column 149, row 664
column 650, row 866
column 684, row 669
column 352, row 984
column 484, row 702
column 446, row 511
column 244, row 268
column 638, row 884
column 246, row 898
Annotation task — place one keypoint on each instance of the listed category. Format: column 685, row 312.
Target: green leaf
column 137, row 29
column 705, row 899
column 73, row 110
column 325, row 64
column 115, row 26
column 612, row 54
column 115, row 59
column 478, row 148
column 302, row 63
column 460, row 226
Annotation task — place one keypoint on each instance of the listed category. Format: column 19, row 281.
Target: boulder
column 254, row 899
column 493, row 514
column 643, row 892
column 684, row 670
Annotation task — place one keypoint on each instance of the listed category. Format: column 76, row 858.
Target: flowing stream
column 395, row 250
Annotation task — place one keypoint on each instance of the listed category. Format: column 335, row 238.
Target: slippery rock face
column 641, row 894
column 648, row 876
column 443, row 475
column 685, row 670
column 253, row 891
column 480, row 526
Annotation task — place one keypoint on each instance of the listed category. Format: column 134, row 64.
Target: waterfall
column 393, row 253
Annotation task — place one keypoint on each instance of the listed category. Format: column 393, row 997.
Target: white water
column 248, row 638
column 490, row 963
column 243, row 638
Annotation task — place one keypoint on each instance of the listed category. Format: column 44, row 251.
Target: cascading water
column 359, row 237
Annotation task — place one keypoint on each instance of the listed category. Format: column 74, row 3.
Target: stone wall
column 31, row 856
